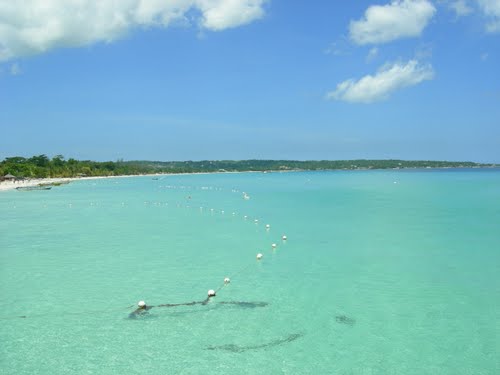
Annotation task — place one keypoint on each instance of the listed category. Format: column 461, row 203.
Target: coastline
column 13, row 185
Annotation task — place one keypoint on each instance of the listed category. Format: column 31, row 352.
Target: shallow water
column 383, row 272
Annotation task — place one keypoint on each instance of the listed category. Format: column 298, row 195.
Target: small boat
column 31, row 188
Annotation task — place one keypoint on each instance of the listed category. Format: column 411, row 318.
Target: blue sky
column 241, row 79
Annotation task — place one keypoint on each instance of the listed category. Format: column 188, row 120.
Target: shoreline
column 13, row 185
column 32, row 182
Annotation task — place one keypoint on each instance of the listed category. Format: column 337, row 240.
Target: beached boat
column 30, row 188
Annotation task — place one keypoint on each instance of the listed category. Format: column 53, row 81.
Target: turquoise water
column 383, row 272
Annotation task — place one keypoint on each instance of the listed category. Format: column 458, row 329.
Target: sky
column 250, row 79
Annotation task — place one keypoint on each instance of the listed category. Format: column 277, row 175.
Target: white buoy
column 273, row 246
column 211, row 293
column 141, row 304
column 268, row 226
column 245, row 217
column 259, row 256
column 227, row 280
column 256, row 221
column 283, row 238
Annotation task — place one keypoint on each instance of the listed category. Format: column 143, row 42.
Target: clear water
column 383, row 272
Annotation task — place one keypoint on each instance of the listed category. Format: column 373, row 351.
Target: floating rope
column 142, row 308
column 141, row 311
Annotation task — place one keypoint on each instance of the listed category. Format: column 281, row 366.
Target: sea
column 379, row 273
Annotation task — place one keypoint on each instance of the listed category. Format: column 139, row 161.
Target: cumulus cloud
column 385, row 23
column 34, row 26
column 388, row 79
column 491, row 9
column 223, row 14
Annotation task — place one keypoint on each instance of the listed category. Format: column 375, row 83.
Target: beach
column 14, row 184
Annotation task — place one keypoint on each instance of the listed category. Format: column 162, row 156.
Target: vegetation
column 41, row 166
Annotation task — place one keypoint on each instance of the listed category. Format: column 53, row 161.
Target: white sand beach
column 12, row 184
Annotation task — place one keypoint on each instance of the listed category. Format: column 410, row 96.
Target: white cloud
column 460, row 7
column 379, row 86
column 223, row 14
column 385, row 23
column 35, row 26
column 491, row 9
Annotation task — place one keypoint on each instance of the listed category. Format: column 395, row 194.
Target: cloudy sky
column 240, row 79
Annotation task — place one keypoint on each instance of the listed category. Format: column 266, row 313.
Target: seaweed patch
column 343, row 319
column 239, row 349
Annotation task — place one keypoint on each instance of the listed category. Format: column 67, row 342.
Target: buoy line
column 142, row 307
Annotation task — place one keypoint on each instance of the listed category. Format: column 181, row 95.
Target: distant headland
column 41, row 166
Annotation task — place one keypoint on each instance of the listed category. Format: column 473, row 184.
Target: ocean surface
column 382, row 273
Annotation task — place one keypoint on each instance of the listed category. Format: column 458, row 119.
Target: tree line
column 41, row 166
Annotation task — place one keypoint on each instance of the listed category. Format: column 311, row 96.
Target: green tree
column 40, row 160
column 58, row 161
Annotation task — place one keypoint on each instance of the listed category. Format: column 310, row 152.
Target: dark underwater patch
column 344, row 319
column 239, row 349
